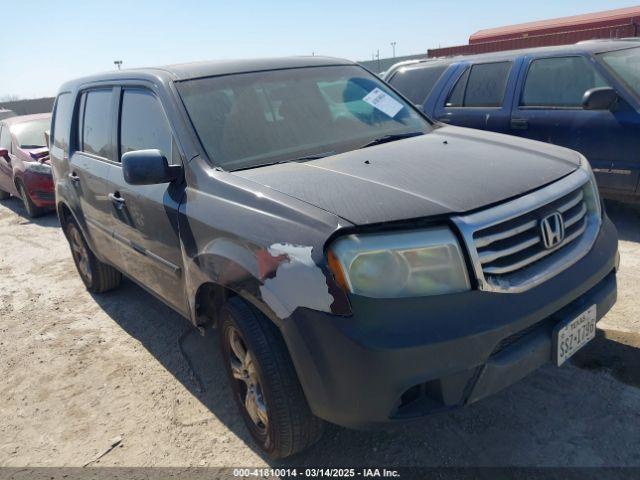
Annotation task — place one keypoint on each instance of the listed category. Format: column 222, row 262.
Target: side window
column 559, row 82
column 5, row 138
column 416, row 83
column 456, row 97
column 96, row 124
column 62, row 121
column 487, row 84
column 143, row 124
column 482, row 85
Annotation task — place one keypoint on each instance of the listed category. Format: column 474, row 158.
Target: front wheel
column 97, row 276
column 265, row 383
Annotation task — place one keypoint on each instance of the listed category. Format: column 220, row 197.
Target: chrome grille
column 505, row 242
column 514, row 244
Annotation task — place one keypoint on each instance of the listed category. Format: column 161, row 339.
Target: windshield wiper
column 391, row 138
column 315, row 156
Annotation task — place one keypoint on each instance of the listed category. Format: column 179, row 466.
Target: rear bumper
column 403, row 358
column 40, row 188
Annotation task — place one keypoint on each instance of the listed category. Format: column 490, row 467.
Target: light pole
column 393, row 45
column 118, row 63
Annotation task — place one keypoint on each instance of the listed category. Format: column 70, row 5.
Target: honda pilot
column 362, row 264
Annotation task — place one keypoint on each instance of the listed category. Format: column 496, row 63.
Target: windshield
column 31, row 134
column 252, row 119
column 626, row 65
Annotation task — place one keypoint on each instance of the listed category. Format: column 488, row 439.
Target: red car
column 25, row 171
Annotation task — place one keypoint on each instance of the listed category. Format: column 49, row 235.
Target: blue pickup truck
column 584, row 96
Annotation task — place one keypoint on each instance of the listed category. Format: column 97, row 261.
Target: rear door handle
column 519, row 123
column 73, row 177
column 117, row 200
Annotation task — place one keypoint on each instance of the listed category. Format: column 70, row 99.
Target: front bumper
column 397, row 359
column 40, row 188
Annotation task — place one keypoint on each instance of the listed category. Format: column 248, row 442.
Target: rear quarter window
column 417, row 83
column 61, row 123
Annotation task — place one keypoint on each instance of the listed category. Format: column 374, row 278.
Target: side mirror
column 602, row 98
column 4, row 153
column 148, row 167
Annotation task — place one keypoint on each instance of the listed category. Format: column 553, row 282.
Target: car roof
column 25, row 118
column 187, row 71
column 587, row 46
column 405, row 64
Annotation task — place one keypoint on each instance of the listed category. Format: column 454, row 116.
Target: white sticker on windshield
column 383, row 102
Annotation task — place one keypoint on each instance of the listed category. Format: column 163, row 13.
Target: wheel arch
column 276, row 280
column 64, row 213
column 210, row 296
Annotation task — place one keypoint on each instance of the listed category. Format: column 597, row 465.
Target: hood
column 451, row 170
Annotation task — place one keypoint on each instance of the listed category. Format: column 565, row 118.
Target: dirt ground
column 81, row 372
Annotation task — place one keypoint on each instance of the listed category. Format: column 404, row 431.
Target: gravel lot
column 79, row 371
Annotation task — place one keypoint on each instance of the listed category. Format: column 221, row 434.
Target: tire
column 290, row 426
column 33, row 211
column 4, row 195
column 98, row 277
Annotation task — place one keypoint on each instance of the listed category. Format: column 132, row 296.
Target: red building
column 620, row 23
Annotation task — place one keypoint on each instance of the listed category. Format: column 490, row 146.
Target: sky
column 46, row 42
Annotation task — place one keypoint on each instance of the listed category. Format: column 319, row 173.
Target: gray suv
column 362, row 264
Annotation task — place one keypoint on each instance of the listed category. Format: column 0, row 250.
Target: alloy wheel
column 80, row 253
column 244, row 372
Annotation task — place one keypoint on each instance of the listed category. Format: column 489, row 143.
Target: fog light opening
column 410, row 396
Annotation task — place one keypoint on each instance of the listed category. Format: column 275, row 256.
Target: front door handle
column 74, row 178
column 519, row 123
column 117, row 200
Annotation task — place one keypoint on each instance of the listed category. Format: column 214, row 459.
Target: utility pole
column 378, row 58
column 118, row 63
column 393, row 45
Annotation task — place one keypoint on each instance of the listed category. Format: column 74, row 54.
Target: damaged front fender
column 239, row 247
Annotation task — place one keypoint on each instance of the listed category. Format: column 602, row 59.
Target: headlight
column 38, row 167
column 592, row 197
column 405, row 264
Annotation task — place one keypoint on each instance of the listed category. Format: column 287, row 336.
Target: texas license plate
column 573, row 335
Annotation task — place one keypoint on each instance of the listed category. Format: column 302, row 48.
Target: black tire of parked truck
column 265, row 383
column 98, row 277
column 33, row 211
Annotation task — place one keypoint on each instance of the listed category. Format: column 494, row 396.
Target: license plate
column 573, row 335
